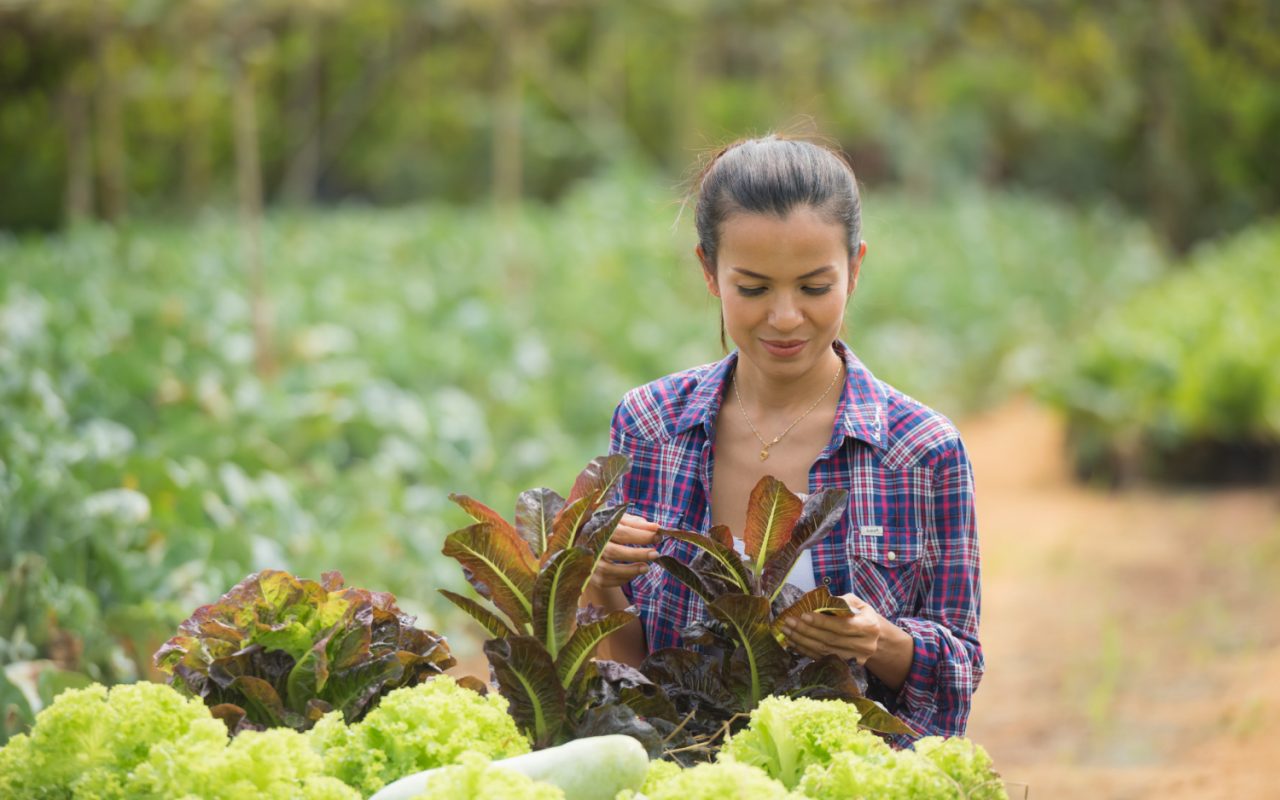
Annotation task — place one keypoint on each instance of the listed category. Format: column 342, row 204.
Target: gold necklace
column 764, row 452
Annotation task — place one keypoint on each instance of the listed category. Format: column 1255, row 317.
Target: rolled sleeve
column 947, row 664
column 945, row 671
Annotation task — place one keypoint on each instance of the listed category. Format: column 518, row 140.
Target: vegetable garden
column 148, row 467
column 331, row 693
column 145, row 468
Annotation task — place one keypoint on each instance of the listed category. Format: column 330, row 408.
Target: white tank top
column 801, row 575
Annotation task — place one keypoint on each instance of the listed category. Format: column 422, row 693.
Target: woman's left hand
column 851, row 638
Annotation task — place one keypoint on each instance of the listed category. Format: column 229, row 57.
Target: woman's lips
column 783, row 349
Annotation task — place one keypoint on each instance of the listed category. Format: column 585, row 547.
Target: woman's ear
column 855, row 265
column 708, row 274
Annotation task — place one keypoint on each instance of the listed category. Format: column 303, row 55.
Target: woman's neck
column 773, row 394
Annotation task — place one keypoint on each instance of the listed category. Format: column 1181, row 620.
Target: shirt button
column 826, row 580
column 893, row 556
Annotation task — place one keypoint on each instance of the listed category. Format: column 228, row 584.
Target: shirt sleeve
column 948, row 664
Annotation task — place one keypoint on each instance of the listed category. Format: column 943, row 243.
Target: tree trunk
column 509, row 101
column 302, row 177
column 688, row 134
column 112, row 163
column 508, row 167
column 249, row 192
column 78, row 201
column 603, row 79
column 350, row 109
column 196, row 125
column 1167, row 179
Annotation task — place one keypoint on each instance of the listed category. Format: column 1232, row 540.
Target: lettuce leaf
column 146, row 740
column 742, row 654
column 415, row 729
column 533, row 572
column 279, row 651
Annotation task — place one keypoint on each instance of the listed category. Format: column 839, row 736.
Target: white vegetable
column 594, row 768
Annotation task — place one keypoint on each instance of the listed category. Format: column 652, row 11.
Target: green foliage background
column 1171, row 109
column 475, row 247
column 1181, row 381
column 147, row 466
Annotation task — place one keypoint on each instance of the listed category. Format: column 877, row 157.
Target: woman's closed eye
column 756, row 291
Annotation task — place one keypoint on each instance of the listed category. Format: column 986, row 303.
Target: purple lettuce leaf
column 536, row 511
column 527, row 679
column 277, row 651
column 542, row 661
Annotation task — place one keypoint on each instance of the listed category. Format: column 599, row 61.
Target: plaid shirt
column 908, row 544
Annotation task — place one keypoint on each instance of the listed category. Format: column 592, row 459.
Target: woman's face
column 783, row 283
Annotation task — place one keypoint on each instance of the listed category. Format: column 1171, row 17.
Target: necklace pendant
column 764, row 454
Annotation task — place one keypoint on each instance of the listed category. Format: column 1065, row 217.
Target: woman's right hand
column 627, row 554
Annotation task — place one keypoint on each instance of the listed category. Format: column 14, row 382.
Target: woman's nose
column 785, row 314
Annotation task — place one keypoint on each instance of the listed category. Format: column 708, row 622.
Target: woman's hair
column 773, row 175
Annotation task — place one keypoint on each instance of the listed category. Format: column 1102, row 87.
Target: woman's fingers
column 632, row 521
column 809, row 645
column 805, row 651
column 814, row 648
column 856, row 603
column 624, row 534
column 859, row 625
column 842, row 636
column 628, row 552
column 608, row 574
column 624, row 554
column 621, row 572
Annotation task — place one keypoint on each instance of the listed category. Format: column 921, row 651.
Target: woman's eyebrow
column 815, row 273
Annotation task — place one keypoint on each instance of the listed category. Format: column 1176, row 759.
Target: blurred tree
column 101, row 33
column 1171, row 108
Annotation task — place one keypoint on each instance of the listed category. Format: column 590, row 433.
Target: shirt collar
column 704, row 403
column 862, row 412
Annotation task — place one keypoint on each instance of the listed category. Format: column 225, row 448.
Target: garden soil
column 1131, row 638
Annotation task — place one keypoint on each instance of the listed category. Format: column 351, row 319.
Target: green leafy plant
column 277, row 651
column 748, row 601
column 416, row 728
column 786, row 735
column 534, row 572
column 822, row 747
column 147, row 740
column 965, row 762
column 711, row 782
column 1179, row 383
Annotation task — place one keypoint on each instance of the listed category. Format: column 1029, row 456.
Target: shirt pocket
column 885, row 570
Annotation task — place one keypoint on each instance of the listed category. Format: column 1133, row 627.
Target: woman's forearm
column 626, row 644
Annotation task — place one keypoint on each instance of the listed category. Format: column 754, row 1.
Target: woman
column 779, row 241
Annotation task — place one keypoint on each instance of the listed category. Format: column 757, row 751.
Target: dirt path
column 1131, row 638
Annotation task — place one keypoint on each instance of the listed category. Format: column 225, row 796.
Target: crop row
column 145, row 464
column 1181, row 382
